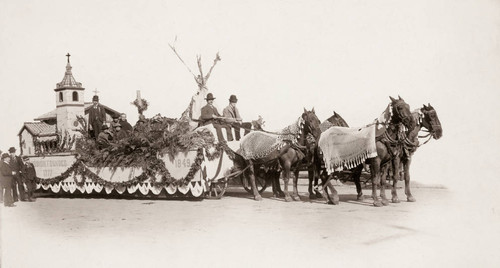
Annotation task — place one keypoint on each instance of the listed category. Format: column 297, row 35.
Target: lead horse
column 285, row 148
column 427, row 118
column 390, row 130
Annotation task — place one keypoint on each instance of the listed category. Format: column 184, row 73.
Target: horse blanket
column 347, row 147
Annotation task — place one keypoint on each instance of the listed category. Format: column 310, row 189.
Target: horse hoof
column 312, row 196
column 395, row 200
column 361, row 198
column 411, row 199
column 258, row 198
column 318, row 195
column 288, row 199
column 377, row 204
column 280, row 194
column 385, row 202
column 296, row 198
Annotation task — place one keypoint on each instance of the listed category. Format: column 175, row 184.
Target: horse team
column 396, row 140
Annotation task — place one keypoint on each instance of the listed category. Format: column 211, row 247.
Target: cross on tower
column 68, row 55
column 95, row 91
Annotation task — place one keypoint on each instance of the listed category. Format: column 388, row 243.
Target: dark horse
column 313, row 160
column 427, row 118
column 286, row 148
column 388, row 137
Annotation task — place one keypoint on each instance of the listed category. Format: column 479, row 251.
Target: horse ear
column 392, row 99
column 430, row 106
column 334, row 113
column 400, row 98
column 425, row 107
column 313, row 111
column 305, row 111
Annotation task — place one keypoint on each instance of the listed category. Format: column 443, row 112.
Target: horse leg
column 334, row 199
column 375, row 177
column 251, row 175
column 312, row 176
column 394, row 191
column 275, row 180
column 383, row 183
column 406, row 174
column 286, row 177
column 295, row 194
column 356, row 176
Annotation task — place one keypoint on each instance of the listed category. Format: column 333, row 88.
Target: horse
column 285, row 148
column 388, row 147
column 427, row 118
column 313, row 160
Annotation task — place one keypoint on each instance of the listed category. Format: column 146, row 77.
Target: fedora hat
column 95, row 98
column 5, row 155
column 210, row 96
column 12, row 150
column 233, row 98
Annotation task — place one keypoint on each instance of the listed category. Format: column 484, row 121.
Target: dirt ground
column 238, row 232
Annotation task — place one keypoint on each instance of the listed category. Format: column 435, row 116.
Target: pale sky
column 277, row 57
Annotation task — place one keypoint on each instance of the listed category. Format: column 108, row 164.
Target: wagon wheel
column 216, row 189
column 260, row 182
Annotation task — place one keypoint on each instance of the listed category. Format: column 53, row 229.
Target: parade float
column 162, row 157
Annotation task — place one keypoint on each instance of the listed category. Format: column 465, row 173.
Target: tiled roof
column 50, row 115
column 68, row 79
column 40, row 128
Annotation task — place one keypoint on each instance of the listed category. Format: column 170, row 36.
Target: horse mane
column 291, row 132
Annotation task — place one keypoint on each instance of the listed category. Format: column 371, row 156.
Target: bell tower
column 69, row 102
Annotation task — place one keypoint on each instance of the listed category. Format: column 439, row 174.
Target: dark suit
column 6, row 183
column 97, row 117
column 29, row 175
column 16, row 164
column 126, row 126
column 207, row 117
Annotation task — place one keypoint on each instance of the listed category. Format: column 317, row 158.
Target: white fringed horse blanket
column 347, row 147
column 258, row 144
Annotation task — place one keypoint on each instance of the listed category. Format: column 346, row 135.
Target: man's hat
column 5, row 155
column 233, row 99
column 105, row 126
column 26, row 157
column 12, row 150
column 95, row 98
column 210, row 96
column 116, row 116
column 116, row 125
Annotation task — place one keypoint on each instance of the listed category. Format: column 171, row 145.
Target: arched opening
column 75, row 96
column 61, row 97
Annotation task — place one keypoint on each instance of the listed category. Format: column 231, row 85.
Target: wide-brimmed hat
column 210, row 96
column 5, row 155
column 95, row 98
column 12, row 150
column 233, row 98
column 26, row 157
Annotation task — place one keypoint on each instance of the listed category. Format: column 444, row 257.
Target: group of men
column 99, row 129
column 230, row 118
column 15, row 174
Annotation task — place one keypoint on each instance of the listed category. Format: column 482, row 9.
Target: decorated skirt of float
column 187, row 174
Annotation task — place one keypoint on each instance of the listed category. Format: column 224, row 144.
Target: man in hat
column 210, row 115
column 105, row 137
column 232, row 116
column 118, row 132
column 16, row 164
column 6, row 178
column 29, row 174
column 97, row 117
column 125, row 125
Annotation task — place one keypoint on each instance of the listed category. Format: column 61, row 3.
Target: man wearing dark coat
column 29, row 178
column 16, row 164
column 105, row 138
column 97, row 117
column 210, row 115
column 125, row 125
column 6, row 179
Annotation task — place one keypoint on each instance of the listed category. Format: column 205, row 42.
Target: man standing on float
column 97, row 117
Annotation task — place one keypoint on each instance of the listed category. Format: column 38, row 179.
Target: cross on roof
column 95, row 91
column 68, row 55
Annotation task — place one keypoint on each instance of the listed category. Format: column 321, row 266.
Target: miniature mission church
column 56, row 130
